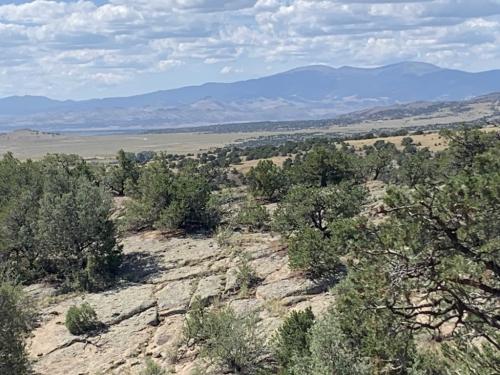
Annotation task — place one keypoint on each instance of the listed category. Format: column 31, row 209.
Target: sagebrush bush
column 153, row 369
column 229, row 340
column 253, row 215
column 246, row 277
column 82, row 319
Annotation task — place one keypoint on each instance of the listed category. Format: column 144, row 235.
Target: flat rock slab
column 268, row 265
column 288, row 287
column 209, row 288
column 112, row 307
column 188, row 252
column 99, row 354
column 115, row 306
column 246, row 306
column 174, row 297
column 180, row 273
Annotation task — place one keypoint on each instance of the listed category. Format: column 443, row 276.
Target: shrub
column 83, row 319
column 246, row 278
column 15, row 319
column 227, row 339
column 153, row 369
column 292, row 340
column 223, row 236
column 253, row 215
column 267, row 180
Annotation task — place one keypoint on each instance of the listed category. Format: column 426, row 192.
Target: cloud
column 230, row 70
column 80, row 47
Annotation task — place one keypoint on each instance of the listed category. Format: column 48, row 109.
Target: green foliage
column 292, row 341
column 317, row 207
column 152, row 368
column 228, row 340
column 253, row 215
column 267, row 181
column 122, row 176
column 310, row 218
column 165, row 200
column 416, row 168
column 379, row 159
column 324, row 166
column 246, row 277
column 82, row 319
column 312, row 252
column 56, row 222
column 15, row 323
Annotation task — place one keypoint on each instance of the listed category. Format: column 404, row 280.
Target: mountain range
column 310, row 92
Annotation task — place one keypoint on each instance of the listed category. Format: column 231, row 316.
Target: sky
column 99, row 48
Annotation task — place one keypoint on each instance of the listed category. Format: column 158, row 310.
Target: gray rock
column 288, row 287
column 209, row 288
column 174, row 297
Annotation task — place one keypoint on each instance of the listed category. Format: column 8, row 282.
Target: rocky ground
column 145, row 315
column 162, row 274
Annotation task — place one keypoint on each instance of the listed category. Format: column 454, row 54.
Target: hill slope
column 310, row 92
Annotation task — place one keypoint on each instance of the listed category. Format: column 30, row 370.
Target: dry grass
column 431, row 140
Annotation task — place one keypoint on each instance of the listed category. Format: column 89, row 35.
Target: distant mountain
column 309, row 92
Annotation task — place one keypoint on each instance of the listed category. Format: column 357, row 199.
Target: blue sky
column 97, row 48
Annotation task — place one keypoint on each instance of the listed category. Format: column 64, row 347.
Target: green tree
column 311, row 219
column 267, row 180
column 77, row 237
column 325, row 166
column 56, row 222
column 417, row 167
column 317, row 207
column 166, row 200
column 438, row 246
column 124, row 174
column 15, row 324
column 379, row 158
column 292, row 340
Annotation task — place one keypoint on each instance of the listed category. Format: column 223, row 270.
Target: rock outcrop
column 144, row 314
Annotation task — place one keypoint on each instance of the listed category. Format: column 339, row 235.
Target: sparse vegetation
column 153, row 369
column 81, row 319
column 414, row 276
column 228, row 340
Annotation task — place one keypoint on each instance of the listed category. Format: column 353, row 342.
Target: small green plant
column 246, row 278
column 223, row 236
column 152, row 368
column 253, row 215
column 82, row 319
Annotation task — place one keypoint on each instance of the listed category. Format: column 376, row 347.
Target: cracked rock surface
column 144, row 315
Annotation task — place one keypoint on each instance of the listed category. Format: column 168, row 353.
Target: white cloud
column 230, row 70
column 70, row 45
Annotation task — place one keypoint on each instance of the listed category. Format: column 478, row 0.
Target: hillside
column 311, row 92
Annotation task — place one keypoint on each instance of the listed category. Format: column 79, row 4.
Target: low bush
column 246, row 278
column 253, row 215
column 153, row 369
column 228, row 340
column 82, row 319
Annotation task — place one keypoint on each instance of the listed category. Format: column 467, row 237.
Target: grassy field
column 27, row 144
